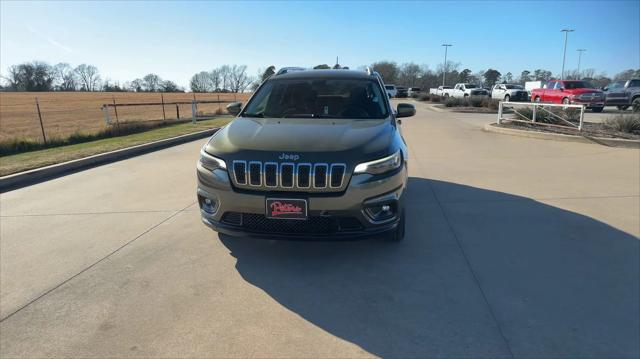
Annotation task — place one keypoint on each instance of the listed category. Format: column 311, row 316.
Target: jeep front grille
column 307, row 177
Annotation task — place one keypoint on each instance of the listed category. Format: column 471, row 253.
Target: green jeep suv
column 314, row 154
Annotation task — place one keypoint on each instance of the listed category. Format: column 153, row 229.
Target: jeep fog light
column 207, row 204
column 381, row 212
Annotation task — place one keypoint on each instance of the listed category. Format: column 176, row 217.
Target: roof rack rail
column 284, row 70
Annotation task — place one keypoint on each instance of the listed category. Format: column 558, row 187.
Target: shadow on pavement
column 543, row 281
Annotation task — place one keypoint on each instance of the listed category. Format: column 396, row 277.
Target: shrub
column 423, row 97
column 624, row 123
column 436, row 98
column 476, row 101
column 490, row 103
column 452, row 102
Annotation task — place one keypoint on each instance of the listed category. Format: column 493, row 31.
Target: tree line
column 414, row 75
column 226, row 78
column 41, row 76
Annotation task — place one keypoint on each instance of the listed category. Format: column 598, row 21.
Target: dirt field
column 65, row 113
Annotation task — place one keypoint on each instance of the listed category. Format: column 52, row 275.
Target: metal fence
column 47, row 115
column 538, row 110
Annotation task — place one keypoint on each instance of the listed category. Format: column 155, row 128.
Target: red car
column 570, row 92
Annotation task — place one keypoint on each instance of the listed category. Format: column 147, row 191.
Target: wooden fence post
column 195, row 101
column 194, row 111
column 41, row 125
column 219, row 109
column 115, row 109
column 164, row 117
column 178, row 111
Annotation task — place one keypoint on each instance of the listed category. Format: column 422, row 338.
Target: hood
column 581, row 91
column 313, row 139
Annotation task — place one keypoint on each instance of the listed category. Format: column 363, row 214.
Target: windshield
column 514, row 87
column 577, row 85
column 321, row 98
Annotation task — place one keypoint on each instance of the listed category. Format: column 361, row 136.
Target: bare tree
column 201, row 82
column 388, row 70
column 239, row 78
column 169, row 86
column 151, row 82
column 65, row 77
column 13, row 78
column 215, row 78
column 88, row 76
column 409, row 74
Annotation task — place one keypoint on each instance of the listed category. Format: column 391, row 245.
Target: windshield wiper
column 260, row 115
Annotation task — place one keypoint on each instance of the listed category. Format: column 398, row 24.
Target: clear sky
column 126, row 40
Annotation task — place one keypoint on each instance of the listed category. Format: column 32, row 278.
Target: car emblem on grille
column 289, row 156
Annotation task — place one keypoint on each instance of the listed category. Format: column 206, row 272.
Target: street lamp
column 564, row 54
column 444, row 74
column 580, row 51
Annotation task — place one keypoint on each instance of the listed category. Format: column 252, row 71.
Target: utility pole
column 444, row 73
column 580, row 51
column 564, row 54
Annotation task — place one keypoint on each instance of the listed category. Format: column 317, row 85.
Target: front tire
column 565, row 101
column 597, row 109
column 622, row 108
column 537, row 99
column 398, row 234
column 507, row 98
column 636, row 104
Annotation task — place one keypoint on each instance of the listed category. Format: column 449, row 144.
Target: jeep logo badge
column 286, row 156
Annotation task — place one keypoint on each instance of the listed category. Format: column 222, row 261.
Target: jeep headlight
column 211, row 162
column 380, row 166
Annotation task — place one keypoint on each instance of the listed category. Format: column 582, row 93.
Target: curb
column 611, row 142
column 30, row 177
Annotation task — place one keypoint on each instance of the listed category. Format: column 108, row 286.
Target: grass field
column 34, row 159
column 67, row 113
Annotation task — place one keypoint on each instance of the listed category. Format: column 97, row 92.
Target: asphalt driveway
column 515, row 247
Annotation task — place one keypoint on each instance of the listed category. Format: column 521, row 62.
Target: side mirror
column 234, row 108
column 406, row 110
column 605, row 88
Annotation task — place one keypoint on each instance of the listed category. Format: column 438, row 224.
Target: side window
column 551, row 85
column 558, row 86
column 634, row 83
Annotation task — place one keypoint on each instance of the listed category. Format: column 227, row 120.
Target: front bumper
column 340, row 215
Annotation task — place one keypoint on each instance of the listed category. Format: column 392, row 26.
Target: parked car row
column 622, row 94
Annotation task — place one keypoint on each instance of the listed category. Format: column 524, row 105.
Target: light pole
column 444, row 73
column 580, row 51
column 564, row 54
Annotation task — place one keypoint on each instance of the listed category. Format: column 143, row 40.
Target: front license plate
column 284, row 208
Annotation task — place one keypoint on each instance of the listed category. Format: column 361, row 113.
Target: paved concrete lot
column 515, row 247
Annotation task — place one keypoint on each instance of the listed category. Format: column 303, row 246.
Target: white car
column 462, row 90
column 439, row 90
column 391, row 90
column 509, row 92
column 412, row 91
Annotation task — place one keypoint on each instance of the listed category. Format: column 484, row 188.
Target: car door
column 616, row 93
column 547, row 92
column 554, row 92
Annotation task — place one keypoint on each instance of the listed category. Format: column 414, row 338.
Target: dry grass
column 68, row 113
